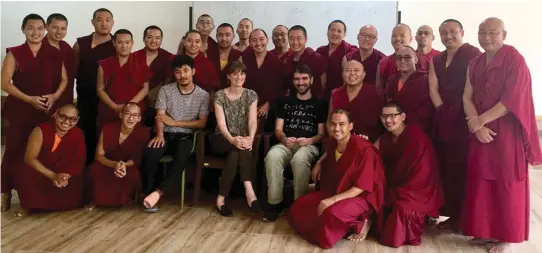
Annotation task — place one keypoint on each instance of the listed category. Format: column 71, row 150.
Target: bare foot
column 482, row 241
column 6, row 201
column 501, row 247
column 21, row 212
column 151, row 200
column 363, row 234
column 90, row 207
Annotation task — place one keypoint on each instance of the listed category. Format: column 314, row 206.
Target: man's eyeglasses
column 391, row 115
column 401, row 57
column 64, row 117
column 131, row 115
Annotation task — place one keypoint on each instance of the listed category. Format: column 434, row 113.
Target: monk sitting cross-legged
column 351, row 189
column 413, row 184
column 114, row 175
column 52, row 178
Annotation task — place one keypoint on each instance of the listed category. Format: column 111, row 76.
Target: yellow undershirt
column 337, row 155
column 223, row 64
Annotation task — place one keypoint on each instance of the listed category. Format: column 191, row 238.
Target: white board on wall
column 314, row 16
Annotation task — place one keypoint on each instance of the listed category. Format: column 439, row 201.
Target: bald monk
column 401, row 36
column 34, row 77
column 264, row 71
column 447, row 75
column 114, row 175
column 410, row 89
column 499, row 107
column 121, row 79
column 334, row 52
column 368, row 55
column 280, row 40
column 88, row 51
column 297, row 37
column 424, row 39
column 159, row 61
column 413, row 189
column 206, row 75
column 52, row 178
column 361, row 99
column 227, row 53
column 351, row 189
column 57, row 27
column 205, row 25
column 244, row 28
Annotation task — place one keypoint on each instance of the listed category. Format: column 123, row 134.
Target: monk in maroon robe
column 425, row 38
column 447, row 77
column 57, row 27
column 368, row 55
column 206, row 76
column 280, row 40
column 297, row 37
column 52, row 178
column 209, row 47
column 351, row 189
column 159, row 62
column 88, row 51
column 227, row 54
column 121, row 79
column 413, row 184
column 333, row 53
column 499, row 107
column 401, row 36
column 34, row 77
column 264, row 71
column 361, row 99
column 244, row 29
column 410, row 89
column 114, row 175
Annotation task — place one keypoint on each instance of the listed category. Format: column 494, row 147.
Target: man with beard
column 227, row 53
column 88, row 51
column 159, row 61
column 425, row 38
column 244, row 28
column 280, row 40
column 299, row 127
column 368, row 55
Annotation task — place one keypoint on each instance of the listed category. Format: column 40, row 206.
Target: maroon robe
column 266, row 80
column 206, row 76
column 370, row 64
column 215, row 59
column 160, row 67
column 37, row 191
column 388, row 68
column 212, row 49
column 68, row 58
column 451, row 131
column 122, row 83
column 365, row 109
column 413, row 186
column 334, row 72
column 282, row 57
column 429, row 56
column 414, row 99
column 359, row 166
column 316, row 63
column 34, row 76
column 497, row 176
column 106, row 188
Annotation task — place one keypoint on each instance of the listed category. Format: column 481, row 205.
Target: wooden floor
column 201, row 229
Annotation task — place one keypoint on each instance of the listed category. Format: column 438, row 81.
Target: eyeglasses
column 367, row 36
column 491, row 34
column 64, row 117
column 400, row 58
column 131, row 115
column 391, row 115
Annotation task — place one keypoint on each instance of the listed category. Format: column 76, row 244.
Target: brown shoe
column 6, row 201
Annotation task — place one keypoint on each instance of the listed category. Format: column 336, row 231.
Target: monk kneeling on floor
column 351, row 189
column 114, row 175
column 52, row 179
column 413, row 183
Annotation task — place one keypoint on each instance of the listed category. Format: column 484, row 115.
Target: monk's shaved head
column 257, row 32
column 451, row 20
column 131, row 106
column 493, row 22
column 367, row 37
column 425, row 37
column 425, row 28
column 491, row 34
column 369, row 29
column 402, row 27
column 353, row 73
column 68, row 108
column 409, row 49
column 353, row 63
column 280, row 28
column 204, row 17
column 401, row 35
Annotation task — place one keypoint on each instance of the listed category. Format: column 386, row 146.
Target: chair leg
column 183, row 177
column 197, row 185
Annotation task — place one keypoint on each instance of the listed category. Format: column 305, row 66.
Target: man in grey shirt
column 181, row 109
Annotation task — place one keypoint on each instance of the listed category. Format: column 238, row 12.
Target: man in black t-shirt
column 299, row 127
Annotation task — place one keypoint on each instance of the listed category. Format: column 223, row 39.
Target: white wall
column 520, row 18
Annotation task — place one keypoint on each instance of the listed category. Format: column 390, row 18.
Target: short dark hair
column 452, row 20
column 225, row 25
column 251, row 23
column 298, row 28
column 191, row 31
column 236, row 66
column 101, row 10
column 303, row 69
column 181, row 60
column 337, row 21
column 394, row 105
column 345, row 112
column 205, row 16
column 258, row 29
column 152, row 27
column 122, row 31
column 32, row 16
column 56, row 16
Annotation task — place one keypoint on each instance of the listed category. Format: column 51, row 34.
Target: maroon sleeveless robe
column 334, row 71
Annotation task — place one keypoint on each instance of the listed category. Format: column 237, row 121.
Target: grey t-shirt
column 182, row 107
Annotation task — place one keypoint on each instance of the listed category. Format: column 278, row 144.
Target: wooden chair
column 205, row 160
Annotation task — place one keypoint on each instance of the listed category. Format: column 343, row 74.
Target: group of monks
column 411, row 136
